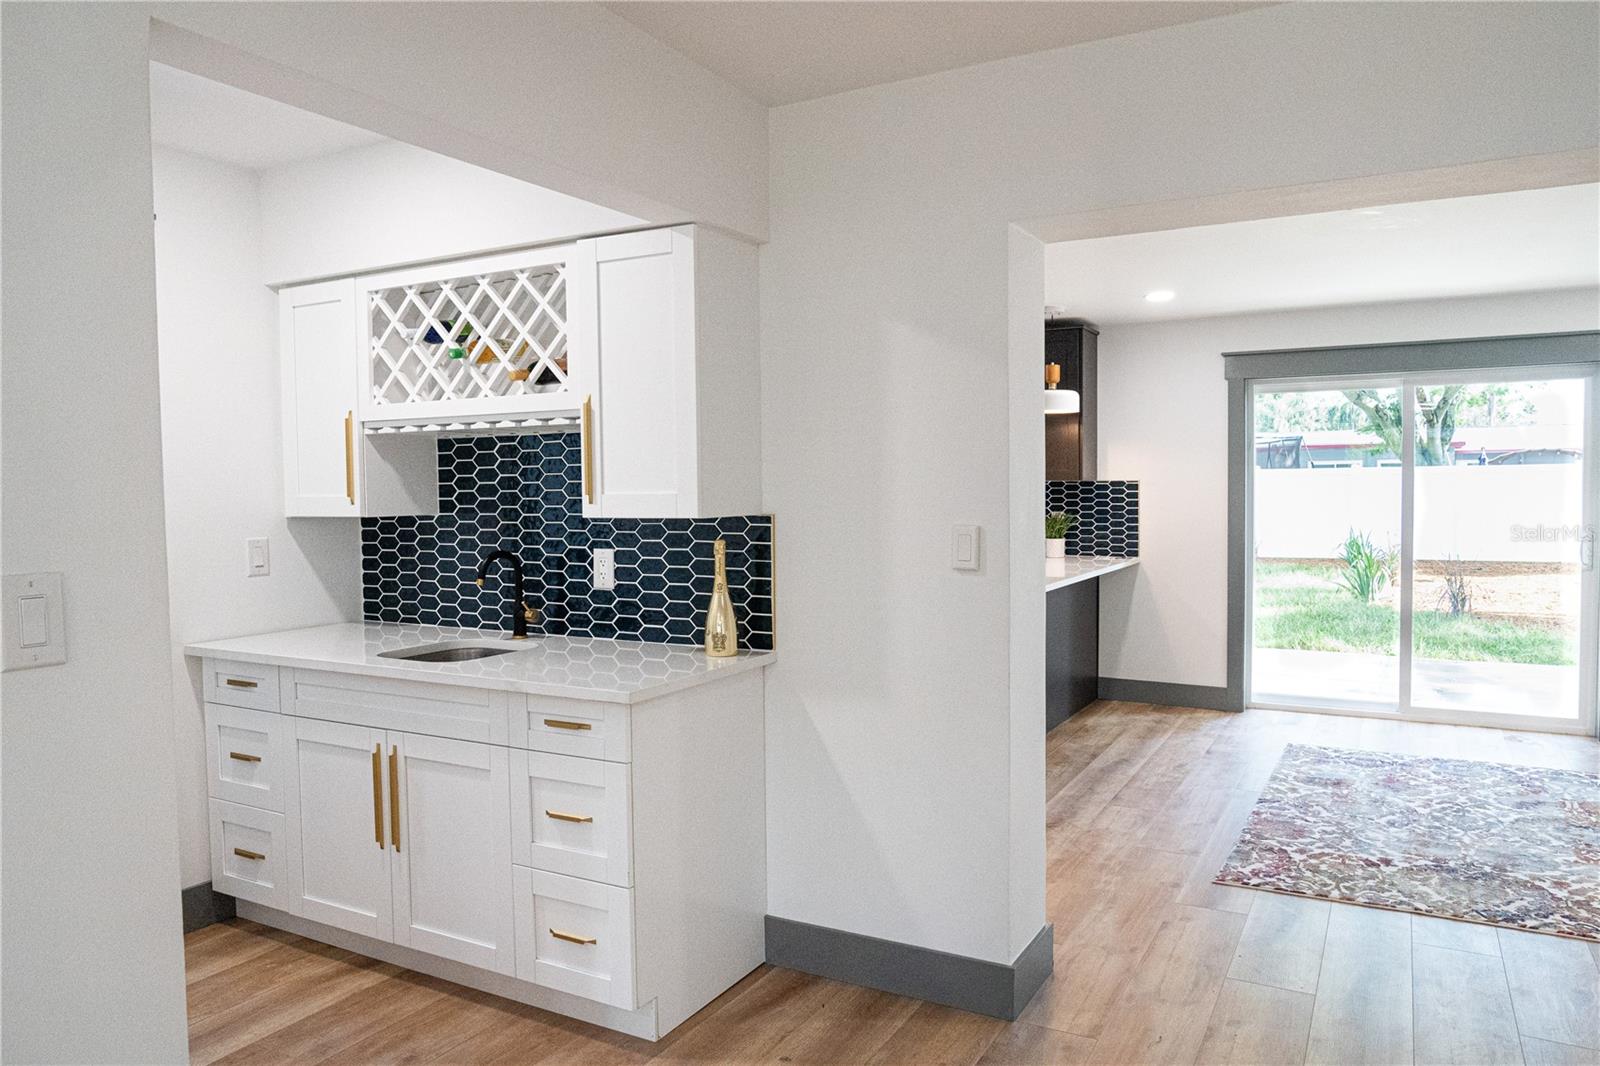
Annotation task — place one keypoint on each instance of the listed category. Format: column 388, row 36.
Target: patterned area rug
column 1505, row 845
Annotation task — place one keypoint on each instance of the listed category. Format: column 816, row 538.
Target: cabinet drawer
column 575, row 936
column 241, row 684
column 249, row 856
column 571, row 816
column 585, row 728
column 452, row 711
column 248, row 755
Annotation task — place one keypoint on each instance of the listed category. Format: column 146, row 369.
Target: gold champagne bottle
column 722, row 632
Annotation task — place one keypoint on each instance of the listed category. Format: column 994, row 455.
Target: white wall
column 92, row 969
column 1164, row 423
column 1463, row 512
column 384, row 204
column 217, row 334
column 567, row 96
column 887, row 412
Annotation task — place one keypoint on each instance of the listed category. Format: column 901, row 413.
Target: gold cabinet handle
column 394, row 796
column 556, row 723
column 562, row 816
column 350, row 456
column 244, row 756
column 571, row 939
column 587, row 444
column 244, row 854
column 377, row 794
column 239, row 682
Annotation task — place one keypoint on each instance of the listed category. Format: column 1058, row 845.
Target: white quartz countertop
column 585, row 668
column 1059, row 573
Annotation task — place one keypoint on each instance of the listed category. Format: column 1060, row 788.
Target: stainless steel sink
column 450, row 653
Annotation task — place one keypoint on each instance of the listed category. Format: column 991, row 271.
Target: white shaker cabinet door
column 339, row 825
column 640, row 435
column 319, row 346
column 452, row 854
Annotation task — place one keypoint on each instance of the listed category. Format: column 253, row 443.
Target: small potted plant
column 1056, row 526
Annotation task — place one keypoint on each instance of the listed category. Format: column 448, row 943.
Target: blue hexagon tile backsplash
column 1108, row 515
column 525, row 493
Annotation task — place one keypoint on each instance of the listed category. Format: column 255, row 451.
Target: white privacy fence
column 1528, row 514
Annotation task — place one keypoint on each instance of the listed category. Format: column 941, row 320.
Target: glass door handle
column 1586, row 550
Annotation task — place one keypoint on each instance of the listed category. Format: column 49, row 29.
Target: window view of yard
column 1496, row 498
column 1303, row 606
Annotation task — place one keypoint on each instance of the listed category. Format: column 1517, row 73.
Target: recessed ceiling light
column 1160, row 296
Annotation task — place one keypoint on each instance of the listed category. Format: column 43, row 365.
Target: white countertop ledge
column 583, row 668
column 1059, row 573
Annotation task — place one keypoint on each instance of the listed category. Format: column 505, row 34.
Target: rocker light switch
column 964, row 547
column 34, row 631
column 257, row 557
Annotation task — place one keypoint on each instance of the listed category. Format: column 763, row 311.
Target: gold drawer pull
column 349, row 457
column 569, row 938
column 562, row 816
column 244, row 756
column 377, row 794
column 394, row 797
column 244, row 854
column 237, row 682
column 556, row 723
column 586, row 447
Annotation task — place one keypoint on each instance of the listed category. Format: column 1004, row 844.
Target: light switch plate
column 966, row 546
column 34, row 630
column 257, row 557
column 605, row 568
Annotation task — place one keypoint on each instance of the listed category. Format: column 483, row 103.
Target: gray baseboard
column 992, row 988
column 203, row 906
column 1207, row 697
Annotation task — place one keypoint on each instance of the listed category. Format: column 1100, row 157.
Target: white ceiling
column 784, row 51
column 1472, row 245
column 206, row 118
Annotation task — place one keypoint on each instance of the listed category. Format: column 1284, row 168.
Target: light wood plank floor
column 1154, row 964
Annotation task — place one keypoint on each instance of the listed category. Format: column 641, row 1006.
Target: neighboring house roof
column 1467, row 438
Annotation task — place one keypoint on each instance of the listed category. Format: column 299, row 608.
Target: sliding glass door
column 1423, row 546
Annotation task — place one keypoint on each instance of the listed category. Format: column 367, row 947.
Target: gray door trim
column 1241, row 436
column 1243, row 369
column 1415, row 357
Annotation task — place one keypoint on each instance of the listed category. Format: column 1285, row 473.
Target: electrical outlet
column 605, row 568
column 258, row 561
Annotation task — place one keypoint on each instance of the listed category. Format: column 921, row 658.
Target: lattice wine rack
column 483, row 343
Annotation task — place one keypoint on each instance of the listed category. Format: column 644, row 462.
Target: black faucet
column 521, row 613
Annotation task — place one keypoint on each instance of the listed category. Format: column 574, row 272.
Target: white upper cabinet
column 317, row 328
column 487, row 339
column 331, row 468
column 645, row 342
column 673, row 428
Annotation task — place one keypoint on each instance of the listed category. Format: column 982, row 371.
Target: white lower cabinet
column 572, row 816
column 452, row 852
column 338, row 817
column 636, row 884
column 575, row 936
column 247, row 756
column 250, row 857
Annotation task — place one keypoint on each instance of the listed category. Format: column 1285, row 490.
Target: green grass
column 1301, row 608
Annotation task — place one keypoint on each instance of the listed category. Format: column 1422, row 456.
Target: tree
column 1436, row 426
